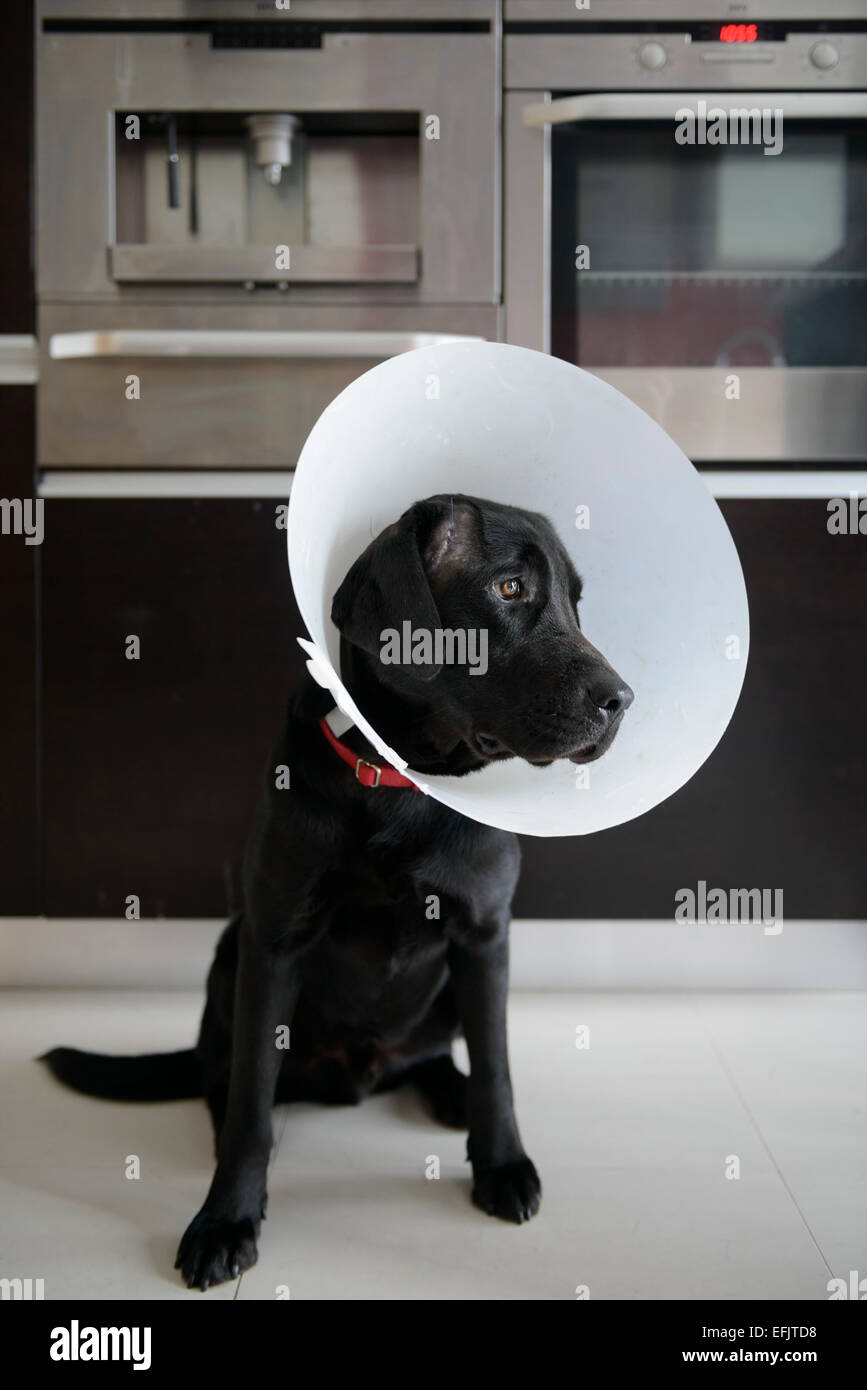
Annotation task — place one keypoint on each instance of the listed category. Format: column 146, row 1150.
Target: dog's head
column 473, row 606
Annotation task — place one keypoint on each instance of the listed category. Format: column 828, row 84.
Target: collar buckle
column 362, row 762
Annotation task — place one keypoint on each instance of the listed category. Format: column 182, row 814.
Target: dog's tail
column 154, row 1076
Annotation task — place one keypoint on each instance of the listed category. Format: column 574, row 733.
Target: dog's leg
column 443, row 1087
column 505, row 1182
column 220, row 1242
column 214, row 1052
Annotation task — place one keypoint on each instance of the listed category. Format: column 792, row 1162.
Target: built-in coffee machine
column 244, row 206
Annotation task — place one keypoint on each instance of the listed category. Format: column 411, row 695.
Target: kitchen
column 225, row 212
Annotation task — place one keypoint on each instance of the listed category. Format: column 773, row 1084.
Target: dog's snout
column 610, row 693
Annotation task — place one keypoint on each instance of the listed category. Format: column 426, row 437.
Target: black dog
column 338, row 937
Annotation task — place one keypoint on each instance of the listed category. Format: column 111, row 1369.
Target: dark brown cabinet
column 152, row 764
column 781, row 802
column 19, row 562
column 19, row 570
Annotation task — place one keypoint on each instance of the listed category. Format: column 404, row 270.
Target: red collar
column 368, row 774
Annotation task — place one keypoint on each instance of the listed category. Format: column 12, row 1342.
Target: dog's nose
column 610, row 693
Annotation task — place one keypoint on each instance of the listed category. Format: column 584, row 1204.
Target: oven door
column 722, row 288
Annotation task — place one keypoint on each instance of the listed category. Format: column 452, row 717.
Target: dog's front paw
column 213, row 1250
column 513, row 1191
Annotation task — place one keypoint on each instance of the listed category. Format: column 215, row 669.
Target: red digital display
column 738, row 33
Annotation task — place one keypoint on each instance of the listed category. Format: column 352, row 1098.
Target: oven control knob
column 653, row 55
column 824, row 55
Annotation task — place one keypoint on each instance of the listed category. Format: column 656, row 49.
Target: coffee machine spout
column 272, row 136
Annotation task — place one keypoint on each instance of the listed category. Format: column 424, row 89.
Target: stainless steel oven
column 243, row 205
column 654, row 234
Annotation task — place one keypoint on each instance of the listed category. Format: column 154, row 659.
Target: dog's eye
column 508, row 588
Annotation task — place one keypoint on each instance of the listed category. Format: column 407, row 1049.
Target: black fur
column 375, row 921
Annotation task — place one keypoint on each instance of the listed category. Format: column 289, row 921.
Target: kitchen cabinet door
column 780, row 803
column 19, row 566
column 169, row 650
column 19, row 559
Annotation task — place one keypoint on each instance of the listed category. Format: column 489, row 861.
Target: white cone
column 664, row 596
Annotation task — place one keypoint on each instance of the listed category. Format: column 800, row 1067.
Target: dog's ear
column 388, row 586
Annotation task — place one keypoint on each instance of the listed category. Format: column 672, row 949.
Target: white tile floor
column 632, row 1137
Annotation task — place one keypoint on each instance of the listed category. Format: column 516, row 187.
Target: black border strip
column 279, row 28
column 701, row 31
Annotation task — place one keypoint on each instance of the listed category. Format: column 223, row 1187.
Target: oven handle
column 653, row 106
column 146, row 342
column 177, row 484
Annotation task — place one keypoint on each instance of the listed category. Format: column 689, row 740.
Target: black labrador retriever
column 375, row 920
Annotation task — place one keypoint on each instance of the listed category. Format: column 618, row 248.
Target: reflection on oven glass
column 705, row 256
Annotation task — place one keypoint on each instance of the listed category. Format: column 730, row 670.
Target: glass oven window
column 705, row 256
